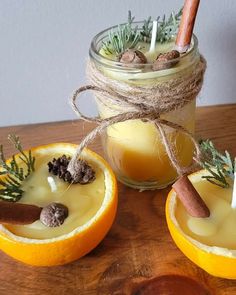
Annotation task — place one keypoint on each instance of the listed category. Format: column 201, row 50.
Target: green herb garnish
column 123, row 38
column 146, row 31
column 220, row 166
column 13, row 174
column 127, row 36
column 168, row 28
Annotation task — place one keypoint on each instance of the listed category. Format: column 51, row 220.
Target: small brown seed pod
column 84, row 172
column 54, row 214
column 133, row 57
column 164, row 60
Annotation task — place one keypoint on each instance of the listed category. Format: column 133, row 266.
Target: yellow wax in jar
column 83, row 201
column 218, row 229
column 134, row 148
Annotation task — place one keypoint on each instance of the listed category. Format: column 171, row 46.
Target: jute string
column 143, row 102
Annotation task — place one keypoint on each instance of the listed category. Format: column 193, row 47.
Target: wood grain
column 138, row 248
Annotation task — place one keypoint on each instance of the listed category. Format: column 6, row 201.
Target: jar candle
column 134, row 148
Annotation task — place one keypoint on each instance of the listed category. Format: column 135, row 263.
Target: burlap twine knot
column 141, row 102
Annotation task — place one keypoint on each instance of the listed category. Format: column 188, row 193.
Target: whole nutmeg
column 163, row 60
column 54, row 214
column 133, row 58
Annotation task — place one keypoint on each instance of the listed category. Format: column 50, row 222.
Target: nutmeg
column 133, row 57
column 163, row 60
column 54, row 214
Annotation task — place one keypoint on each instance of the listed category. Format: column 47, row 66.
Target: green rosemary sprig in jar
column 146, row 31
column 12, row 173
column 220, row 166
column 127, row 36
column 168, row 28
column 123, row 38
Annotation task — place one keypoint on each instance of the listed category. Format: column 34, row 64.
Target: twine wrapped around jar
column 143, row 102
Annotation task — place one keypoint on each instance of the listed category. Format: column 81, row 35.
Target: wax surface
column 83, row 201
column 144, row 47
column 219, row 228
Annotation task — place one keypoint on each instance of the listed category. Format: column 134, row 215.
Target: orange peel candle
column 210, row 241
column 53, row 222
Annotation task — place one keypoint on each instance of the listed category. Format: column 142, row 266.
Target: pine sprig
column 10, row 190
column 27, row 159
column 127, row 36
column 167, row 28
column 220, row 166
column 146, row 31
column 13, row 174
column 123, row 38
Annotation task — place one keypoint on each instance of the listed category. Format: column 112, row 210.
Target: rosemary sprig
column 220, row 166
column 146, row 31
column 10, row 184
column 168, row 28
column 127, row 36
column 123, row 38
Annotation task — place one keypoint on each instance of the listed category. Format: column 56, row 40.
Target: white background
column 44, row 45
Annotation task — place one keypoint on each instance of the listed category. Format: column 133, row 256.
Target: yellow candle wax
column 218, row 229
column 42, row 188
column 136, row 149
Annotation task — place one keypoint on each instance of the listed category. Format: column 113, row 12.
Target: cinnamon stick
column 185, row 32
column 17, row 213
column 190, row 198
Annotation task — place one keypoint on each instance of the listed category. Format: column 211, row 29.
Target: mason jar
column 134, row 148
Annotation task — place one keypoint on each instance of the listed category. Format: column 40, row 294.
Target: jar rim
column 101, row 59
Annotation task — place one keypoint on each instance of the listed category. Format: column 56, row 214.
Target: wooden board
column 138, row 247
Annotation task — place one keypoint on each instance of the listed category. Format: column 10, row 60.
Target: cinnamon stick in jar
column 185, row 32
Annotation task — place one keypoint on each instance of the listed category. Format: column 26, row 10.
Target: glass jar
column 134, row 148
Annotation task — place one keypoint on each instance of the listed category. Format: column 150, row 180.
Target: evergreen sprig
column 146, row 31
column 127, row 36
column 220, row 166
column 167, row 28
column 12, row 174
column 123, row 38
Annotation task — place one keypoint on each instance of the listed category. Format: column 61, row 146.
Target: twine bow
column 166, row 97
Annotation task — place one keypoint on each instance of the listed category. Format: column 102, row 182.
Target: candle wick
column 233, row 203
column 52, row 184
column 154, row 36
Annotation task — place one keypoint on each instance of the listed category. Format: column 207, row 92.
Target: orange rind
column 217, row 261
column 81, row 240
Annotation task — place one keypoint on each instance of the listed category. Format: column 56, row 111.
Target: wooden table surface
column 138, row 247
